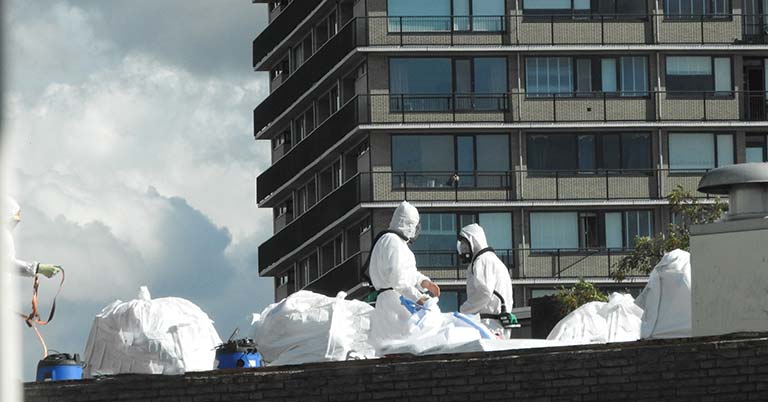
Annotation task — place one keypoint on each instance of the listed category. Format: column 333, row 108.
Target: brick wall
column 734, row 368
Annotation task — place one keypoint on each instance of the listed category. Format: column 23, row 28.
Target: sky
column 128, row 127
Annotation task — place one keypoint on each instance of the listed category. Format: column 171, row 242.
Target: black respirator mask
column 465, row 250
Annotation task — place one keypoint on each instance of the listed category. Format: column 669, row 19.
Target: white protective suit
column 12, row 218
column 486, row 274
column 393, row 266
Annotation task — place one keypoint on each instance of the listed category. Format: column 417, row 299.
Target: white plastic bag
column 666, row 298
column 144, row 336
column 307, row 327
column 399, row 326
column 597, row 322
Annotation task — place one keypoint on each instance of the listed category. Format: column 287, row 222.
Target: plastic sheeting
column 666, row 298
column 400, row 326
column 144, row 336
column 307, row 327
column 618, row 320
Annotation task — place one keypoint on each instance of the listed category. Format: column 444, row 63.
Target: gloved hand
column 48, row 270
column 432, row 287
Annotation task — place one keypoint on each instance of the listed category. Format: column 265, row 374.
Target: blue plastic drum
column 238, row 354
column 60, row 367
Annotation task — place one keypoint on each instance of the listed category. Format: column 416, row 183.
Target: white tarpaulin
column 597, row 322
column 144, row 336
column 401, row 326
column 307, row 327
column 666, row 298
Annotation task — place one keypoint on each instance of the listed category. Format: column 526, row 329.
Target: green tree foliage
column 582, row 293
column 648, row 251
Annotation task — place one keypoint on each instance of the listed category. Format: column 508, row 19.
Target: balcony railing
column 305, row 225
column 528, row 185
column 300, row 80
column 567, row 29
column 281, row 26
column 567, row 107
column 323, row 137
column 523, row 263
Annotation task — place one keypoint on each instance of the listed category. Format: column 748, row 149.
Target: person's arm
column 25, row 268
column 482, row 293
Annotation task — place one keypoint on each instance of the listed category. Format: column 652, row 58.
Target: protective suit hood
column 405, row 220
column 476, row 236
column 12, row 212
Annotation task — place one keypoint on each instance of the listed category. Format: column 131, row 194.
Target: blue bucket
column 241, row 353
column 60, row 367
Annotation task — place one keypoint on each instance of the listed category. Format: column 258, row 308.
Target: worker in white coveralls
column 489, row 286
column 394, row 274
column 23, row 268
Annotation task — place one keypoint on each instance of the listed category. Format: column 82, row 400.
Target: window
column 308, row 270
column 548, row 76
column 696, row 8
column 434, row 84
column 582, row 8
column 451, row 300
column 757, row 149
column 436, row 245
column 588, row 153
column 415, row 156
column 427, row 81
column 588, row 230
column 560, row 76
column 435, row 15
column 330, row 254
column 554, row 230
column 698, row 75
column 425, row 15
column 700, row 151
column 303, row 125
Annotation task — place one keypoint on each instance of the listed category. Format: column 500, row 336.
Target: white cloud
column 135, row 163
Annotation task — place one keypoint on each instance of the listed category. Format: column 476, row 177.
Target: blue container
column 241, row 353
column 60, row 367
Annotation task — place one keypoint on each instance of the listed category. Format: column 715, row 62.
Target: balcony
column 323, row 137
column 567, row 30
column 567, row 263
column 282, row 23
column 342, row 277
column 304, row 226
column 528, row 185
column 567, row 107
column 300, row 80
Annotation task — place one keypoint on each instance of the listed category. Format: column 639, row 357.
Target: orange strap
column 34, row 315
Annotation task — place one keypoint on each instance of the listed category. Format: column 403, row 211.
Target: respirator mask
column 465, row 250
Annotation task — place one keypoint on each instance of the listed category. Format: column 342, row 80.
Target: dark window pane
column 587, row 153
column 422, row 10
column 689, row 73
column 420, row 76
column 493, row 156
column 490, row 79
column 420, row 154
column 584, row 76
column 552, row 152
column 611, row 152
column 465, row 160
column 636, row 151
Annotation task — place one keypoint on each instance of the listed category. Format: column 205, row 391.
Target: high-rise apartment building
column 558, row 125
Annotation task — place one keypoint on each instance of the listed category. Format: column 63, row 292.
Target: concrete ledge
column 733, row 368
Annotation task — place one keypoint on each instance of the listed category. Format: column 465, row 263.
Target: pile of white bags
column 144, row 336
column 401, row 326
column 619, row 320
column 666, row 298
column 307, row 327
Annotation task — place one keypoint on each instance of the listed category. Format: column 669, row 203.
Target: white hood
column 476, row 236
column 11, row 210
column 405, row 220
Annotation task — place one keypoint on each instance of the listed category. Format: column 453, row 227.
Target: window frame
column 452, row 23
column 728, row 16
column 602, row 249
column 764, row 144
column 455, row 140
column 589, row 15
column 708, row 93
column 599, row 156
column 597, row 79
column 714, row 135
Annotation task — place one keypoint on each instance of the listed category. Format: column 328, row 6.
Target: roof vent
column 746, row 186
